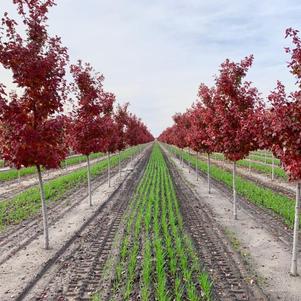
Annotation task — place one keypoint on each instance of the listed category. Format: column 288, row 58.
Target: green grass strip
column 13, row 173
column 263, row 197
column 266, row 169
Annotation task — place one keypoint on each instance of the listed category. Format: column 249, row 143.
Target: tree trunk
column 249, row 165
column 109, row 170
column 189, row 160
column 119, row 165
column 294, row 264
column 89, row 180
column 208, row 172
column 19, row 176
column 182, row 153
column 196, row 166
column 234, row 191
column 273, row 167
column 44, row 209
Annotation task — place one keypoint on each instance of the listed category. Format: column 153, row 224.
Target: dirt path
column 75, row 234
column 10, row 188
column 258, row 235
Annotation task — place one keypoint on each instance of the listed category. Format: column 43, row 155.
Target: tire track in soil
column 17, row 238
column 75, row 270
column 222, row 263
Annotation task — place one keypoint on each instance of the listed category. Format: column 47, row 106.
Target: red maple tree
column 31, row 131
column 282, row 131
column 90, row 127
column 235, row 102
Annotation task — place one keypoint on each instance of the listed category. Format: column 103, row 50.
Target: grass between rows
column 157, row 259
column 263, row 197
column 266, row 169
column 27, row 203
column 13, row 173
column 262, row 158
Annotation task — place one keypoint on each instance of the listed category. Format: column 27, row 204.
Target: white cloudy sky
column 154, row 54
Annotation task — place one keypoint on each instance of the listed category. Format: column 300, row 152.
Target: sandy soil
column 268, row 256
column 21, row 268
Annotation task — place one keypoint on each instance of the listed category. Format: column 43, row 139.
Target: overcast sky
column 154, row 54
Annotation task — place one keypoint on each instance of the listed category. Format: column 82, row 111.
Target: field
column 153, row 234
column 201, row 204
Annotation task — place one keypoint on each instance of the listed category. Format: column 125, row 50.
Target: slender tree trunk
column 182, row 153
column 119, row 165
column 273, row 167
column 44, row 209
column 234, row 191
column 19, row 176
column 208, row 173
column 189, row 160
column 294, row 264
column 249, row 165
column 109, row 170
column 89, row 180
column 196, row 166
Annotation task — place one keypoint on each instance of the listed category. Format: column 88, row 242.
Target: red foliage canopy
column 235, row 103
column 137, row 132
column 282, row 123
column 30, row 132
column 121, row 118
column 92, row 117
column 202, row 120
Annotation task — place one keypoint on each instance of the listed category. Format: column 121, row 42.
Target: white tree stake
column 89, row 180
column 273, row 167
column 294, row 264
column 19, row 176
column 119, row 164
column 208, row 173
column 196, row 166
column 234, row 191
column 109, row 170
column 189, row 160
column 249, row 165
column 44, row 209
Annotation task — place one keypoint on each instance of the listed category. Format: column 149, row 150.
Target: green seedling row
column 157, row 259
column 27, row 203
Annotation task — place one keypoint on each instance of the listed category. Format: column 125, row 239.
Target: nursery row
column 27, row 203
column 13, row 173
column 157, row 260
column 261, row 196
